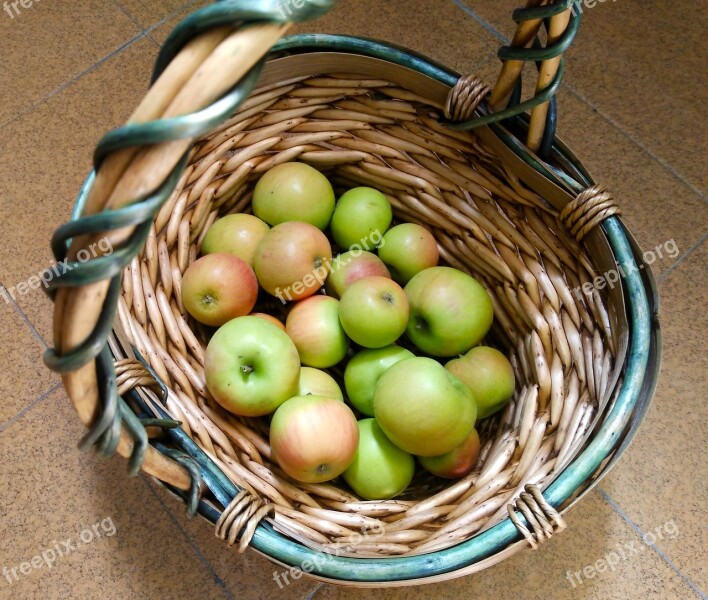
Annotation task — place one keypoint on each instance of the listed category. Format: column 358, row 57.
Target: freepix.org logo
column 318, row 275
column 14, row 7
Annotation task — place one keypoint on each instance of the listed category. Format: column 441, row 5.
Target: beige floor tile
column 248, row 575
column 149, row 13
column 442, row 32
column 52, row 493
column 23, row 377
column 662, row 477
column 44, row 157
column 46, row 45
column 594, row 531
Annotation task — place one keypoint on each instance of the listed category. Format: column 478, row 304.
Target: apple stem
column 246, row 369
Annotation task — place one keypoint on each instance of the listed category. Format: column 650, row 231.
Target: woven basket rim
column 386, row 570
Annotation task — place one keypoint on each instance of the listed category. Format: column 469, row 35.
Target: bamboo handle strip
column 200, row 74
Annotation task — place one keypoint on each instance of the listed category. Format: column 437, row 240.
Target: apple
column 313, row 325
column 450, row 311
column 374, row 311
column 219, row 287
column 363, row 371
column 408, row 249
column 423, row 408
column 351, row 266
column 313, row 438
column 456, row 463
column 489, row 376
column 269, row 318
column 380, row 469
column 294, row 192
column 360, row 215
column 314, row 382
column 251, row 367
column 237, row 234
column 292, row 261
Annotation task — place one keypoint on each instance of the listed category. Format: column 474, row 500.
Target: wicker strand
column 588, row 210
column 541, row 516
column 241, row 517
column 465, row 97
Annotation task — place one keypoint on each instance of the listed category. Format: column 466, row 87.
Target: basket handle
column 206, row 69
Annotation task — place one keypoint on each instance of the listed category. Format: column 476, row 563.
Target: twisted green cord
column 140, row 214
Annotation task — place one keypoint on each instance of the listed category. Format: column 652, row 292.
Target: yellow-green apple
column 423, row 408
column 380, row 469
column 489, row 376
column 292, row 260
column 237, row 234
column 363, row 371
column 294, row 192
column 351, row 266
column 408, row 249
column 314, row 382
column 313, row 438
column 219, row 287
column 313, row 324
column 361, row 215
column 450, row 311
column 456, row 463
column 251, row 367
column 270, row 318
column 374, row 311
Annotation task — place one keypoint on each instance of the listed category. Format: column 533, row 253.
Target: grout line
column 656, row 549
column 134, row 21
column 71, row 81
column 681, row 259
column 75, row 78
column 7, row 424
column 312, row 594
column 22, row 314
column 203, row 559
column 488, row 26
column 676, row 174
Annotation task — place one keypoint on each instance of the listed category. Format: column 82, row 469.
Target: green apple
column 219, row 287
column 294, row 192
column 374, row 312
column 237, row 234
column 350, row 267
column 314, row 382
column 251, row 367
column 380, row 469
column 450, row 311
column 422, row 408
column 313, row 324
column 408, row 249
column 363, row 371
column 362, row 214
column 489, row 376
column 314, row 438
column 292, row 261
column 456, row 463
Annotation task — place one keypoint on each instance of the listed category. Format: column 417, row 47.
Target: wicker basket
column 524, row 220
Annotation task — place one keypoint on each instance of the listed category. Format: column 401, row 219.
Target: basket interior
column 487, row 222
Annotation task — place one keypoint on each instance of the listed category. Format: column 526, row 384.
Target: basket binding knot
column 242, row 516
column 588, row 210
column 465, row 97
column 541, row 516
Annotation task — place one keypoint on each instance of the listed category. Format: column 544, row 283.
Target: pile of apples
column 408, row 357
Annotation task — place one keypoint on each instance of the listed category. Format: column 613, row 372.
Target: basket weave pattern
column 370, row 132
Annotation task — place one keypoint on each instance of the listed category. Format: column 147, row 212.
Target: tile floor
column 630, row 108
